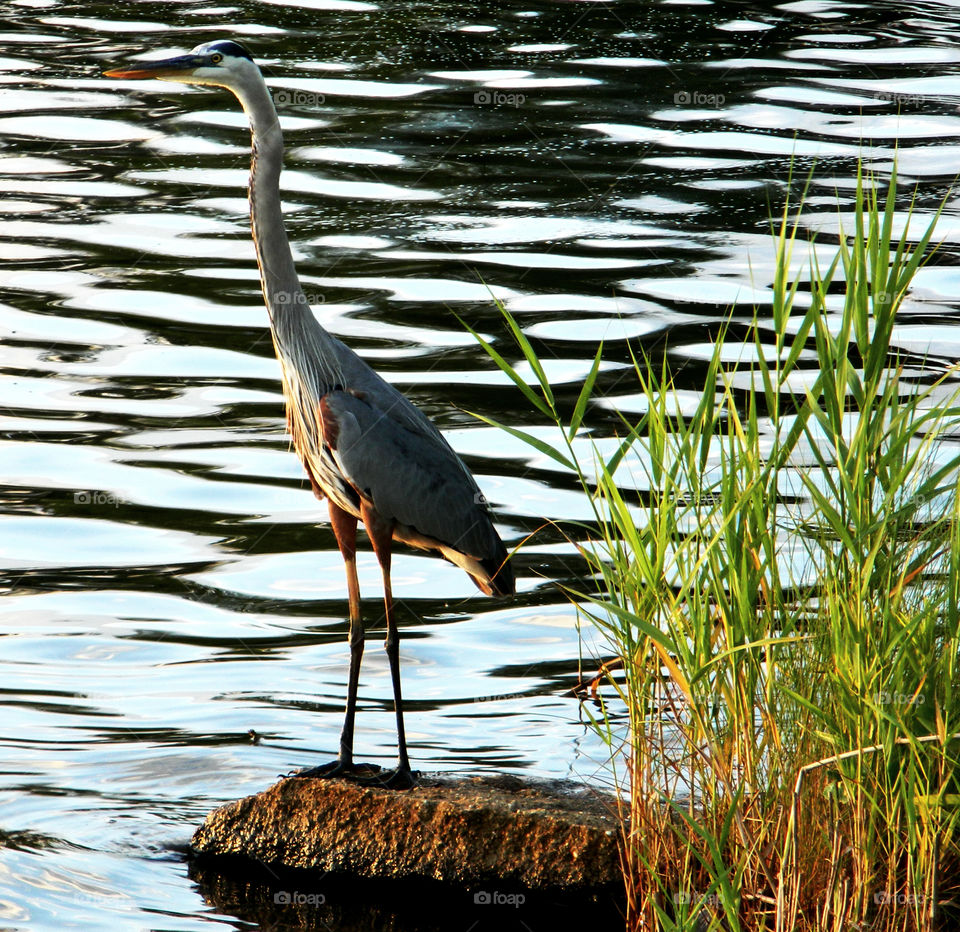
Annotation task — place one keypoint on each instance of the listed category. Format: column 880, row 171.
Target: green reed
column 777, row 573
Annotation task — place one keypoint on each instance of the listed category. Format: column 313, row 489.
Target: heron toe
column 356, row 772
column 400, row 778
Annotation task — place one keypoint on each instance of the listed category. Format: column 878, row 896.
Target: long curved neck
column 282, row 293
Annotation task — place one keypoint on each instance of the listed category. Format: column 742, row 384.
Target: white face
column 218, row 64
column 215, row 67
column 213, row 63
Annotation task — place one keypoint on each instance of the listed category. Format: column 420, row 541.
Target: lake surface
column 606, row 170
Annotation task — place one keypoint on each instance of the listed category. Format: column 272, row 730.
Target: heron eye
column 216, row 58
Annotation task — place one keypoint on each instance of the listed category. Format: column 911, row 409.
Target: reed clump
column 776, row 570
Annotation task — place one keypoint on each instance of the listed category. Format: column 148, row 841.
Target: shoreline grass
column 779, row 572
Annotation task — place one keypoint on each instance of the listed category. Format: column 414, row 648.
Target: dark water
column 605, row 169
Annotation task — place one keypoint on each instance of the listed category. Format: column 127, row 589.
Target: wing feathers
column 411, row 478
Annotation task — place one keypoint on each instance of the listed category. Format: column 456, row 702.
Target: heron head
column 223, row 63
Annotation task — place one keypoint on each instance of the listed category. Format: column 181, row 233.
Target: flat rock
column 542, row 836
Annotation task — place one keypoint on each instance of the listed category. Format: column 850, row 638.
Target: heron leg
column 345, row 530
column 380, row 533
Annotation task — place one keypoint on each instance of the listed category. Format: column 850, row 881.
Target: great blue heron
column 373, row 455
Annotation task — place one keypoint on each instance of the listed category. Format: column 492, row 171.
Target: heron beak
column 168, row 68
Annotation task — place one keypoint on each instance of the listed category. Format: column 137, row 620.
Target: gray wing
column 410, row 477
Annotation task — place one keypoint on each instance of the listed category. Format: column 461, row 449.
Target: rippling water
column 605, row 169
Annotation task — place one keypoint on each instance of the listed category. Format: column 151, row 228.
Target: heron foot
column 358, row 773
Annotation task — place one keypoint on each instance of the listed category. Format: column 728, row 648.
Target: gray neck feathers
column 302, row 344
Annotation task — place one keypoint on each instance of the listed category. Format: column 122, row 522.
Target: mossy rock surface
column 468, row 832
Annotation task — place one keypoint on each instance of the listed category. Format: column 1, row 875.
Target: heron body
column 374, row 456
